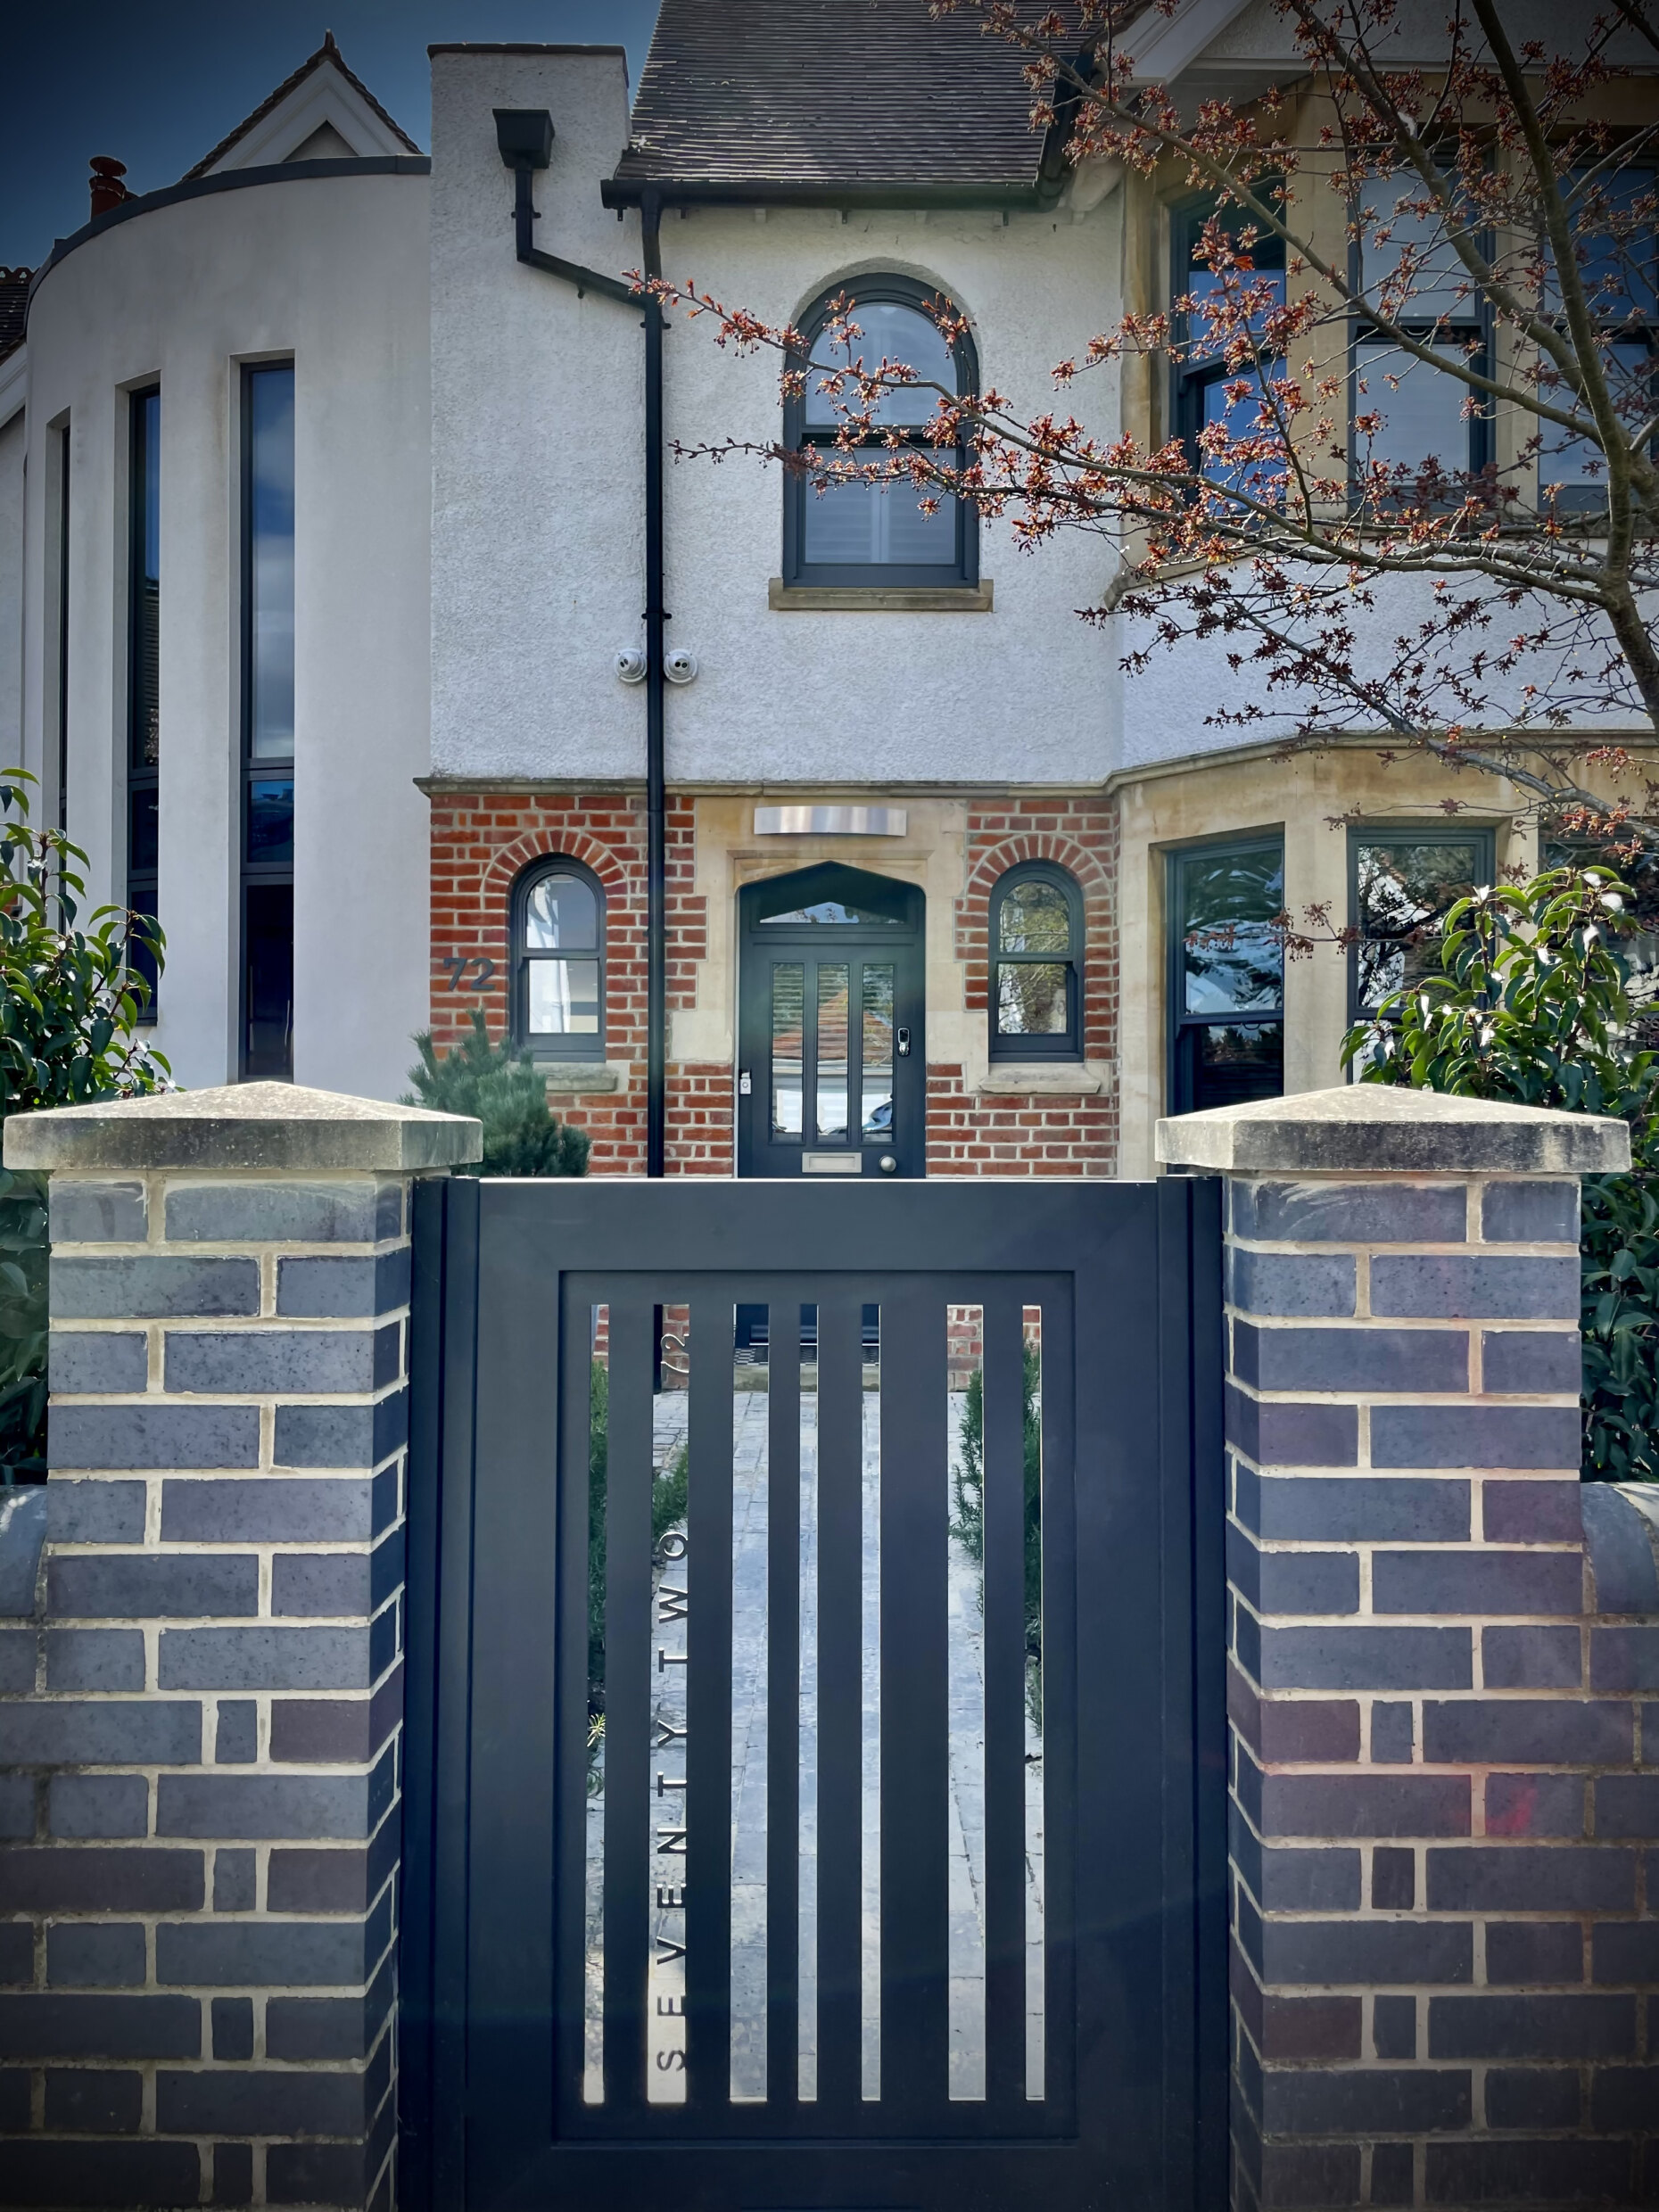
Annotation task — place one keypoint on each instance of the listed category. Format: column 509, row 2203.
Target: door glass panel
column 829, row 912
column 830, row 1108
column 788, row 1010
column 878, row 1053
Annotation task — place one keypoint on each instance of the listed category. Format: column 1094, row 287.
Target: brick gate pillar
column 201, row 1691
column 1444, row 1794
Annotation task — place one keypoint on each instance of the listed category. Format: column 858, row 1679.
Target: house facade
column 327, row 528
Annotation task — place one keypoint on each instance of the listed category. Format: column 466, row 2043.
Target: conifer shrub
column 499, row 1087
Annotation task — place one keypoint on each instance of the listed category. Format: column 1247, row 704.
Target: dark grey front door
column 816, row 1775
column 832, row 1061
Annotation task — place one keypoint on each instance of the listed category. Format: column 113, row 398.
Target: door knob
column 889, row 1165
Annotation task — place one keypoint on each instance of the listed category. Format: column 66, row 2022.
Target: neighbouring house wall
column 333, row 272
column 13, row 436
column 1444, row 1689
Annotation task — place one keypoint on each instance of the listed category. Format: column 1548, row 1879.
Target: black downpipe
column 526, row 137
column 655, row 618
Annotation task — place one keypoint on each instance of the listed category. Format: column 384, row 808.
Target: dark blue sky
column 157, row 85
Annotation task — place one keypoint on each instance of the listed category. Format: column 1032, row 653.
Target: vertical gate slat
column 1060, row 1796
column 630, row 1656
column 783, row 1703
column 840, row 1706
column 707, row 1799
column 915, row 1712
column 571, row 1626
column 1004, row 1646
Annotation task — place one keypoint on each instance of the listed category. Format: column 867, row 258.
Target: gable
column 323, row 112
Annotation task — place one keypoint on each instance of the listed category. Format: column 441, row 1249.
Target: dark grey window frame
column 255, row 875
column 1193, row 379
column 143, row 778
column 1475, row 323
column 1402, row 833
column 546, row 1044
column 1067, row 1046
column 962, row 572
column 1177, row 1021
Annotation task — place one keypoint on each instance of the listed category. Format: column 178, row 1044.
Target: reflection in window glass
column 560, row 912
column 893, row 333
column 1032, row 999
column 828, row 914
column 564, row 997
column 789, row 1021
column 877, row 1094
column 1615, row 244
column 270, row 581
column 1227, row 974
column 1439, row 285
column 1037, row 956
column 271, row 820
column 1575, row 469
column 869, row 524
column 829, row 1105
column 1402, row 889
column 1422, row 412
column 1034, row 917
column 1231, row 957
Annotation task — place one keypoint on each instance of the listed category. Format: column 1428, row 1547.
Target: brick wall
column 200, row 1723
column 481, row 843
column 1014, row 1132
column 1445, row 1705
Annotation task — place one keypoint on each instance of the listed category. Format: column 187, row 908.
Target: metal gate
column 814, row 1773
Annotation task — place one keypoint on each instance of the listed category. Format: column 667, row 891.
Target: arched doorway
column 832, row 1064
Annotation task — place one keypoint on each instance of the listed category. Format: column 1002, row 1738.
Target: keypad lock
column 904, row 1044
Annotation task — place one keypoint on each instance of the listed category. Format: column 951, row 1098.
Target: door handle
column 904, row 1044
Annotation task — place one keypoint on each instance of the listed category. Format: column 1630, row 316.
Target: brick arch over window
column 1089, row 866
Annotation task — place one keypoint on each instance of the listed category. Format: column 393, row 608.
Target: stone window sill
column 1043, row 1079
column 819, row 598
column 567, row 1076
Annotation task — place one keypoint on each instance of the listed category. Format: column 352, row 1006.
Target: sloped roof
column 809, row 95
column 13, row 307
column 327, row 56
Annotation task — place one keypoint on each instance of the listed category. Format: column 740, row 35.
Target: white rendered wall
column 537, row 551
column 331, row 272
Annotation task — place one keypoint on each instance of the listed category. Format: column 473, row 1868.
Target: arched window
column 558, row 960
column 1036, row 964
column 864, row 534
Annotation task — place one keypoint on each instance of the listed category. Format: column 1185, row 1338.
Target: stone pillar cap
column 1374, row 1127
column 244, row 1128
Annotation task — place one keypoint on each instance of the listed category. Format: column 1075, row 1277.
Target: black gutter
column 228, row 180
column 526, row 137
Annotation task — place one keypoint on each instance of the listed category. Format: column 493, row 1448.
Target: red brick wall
column 1034, row 1134
column 480, row 843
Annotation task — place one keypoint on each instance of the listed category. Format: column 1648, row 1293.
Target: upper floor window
column 1226, row 973
column 867, row 533
column 1615, row 225
column 1402, row 884
column 1406, row 266
column 1036, row 964
column 558, row 960
column 144, row 671
column 1207, row 390
column 267, row 681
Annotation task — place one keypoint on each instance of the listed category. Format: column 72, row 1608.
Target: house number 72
column 457, row 964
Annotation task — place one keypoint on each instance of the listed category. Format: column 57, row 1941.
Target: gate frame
column 451, row 1357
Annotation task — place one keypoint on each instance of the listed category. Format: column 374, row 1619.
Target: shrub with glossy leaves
column 1530, row 1003
column 71, row 1000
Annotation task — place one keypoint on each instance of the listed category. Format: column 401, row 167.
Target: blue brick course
column 157, row 1286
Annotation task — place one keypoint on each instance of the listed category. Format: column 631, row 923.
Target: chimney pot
column 106, row 183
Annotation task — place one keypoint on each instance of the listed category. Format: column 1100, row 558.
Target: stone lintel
column 1362, row 1128
column 243, row 1128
